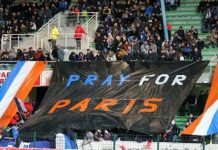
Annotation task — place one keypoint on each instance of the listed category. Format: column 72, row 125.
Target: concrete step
column 185, row 23
column 209, row 57
column 177, row 19
column 190, row 4
column 183, row 2
column 210, row 49
column 187, row 27
column 192, row 14
column 184, row 18
column 186, row 9
column 208, row 53
column 204, row 37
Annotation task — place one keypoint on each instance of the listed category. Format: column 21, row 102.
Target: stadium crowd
column 26, row 17
column 137, row 34
column 209, row 9
column 134, row 30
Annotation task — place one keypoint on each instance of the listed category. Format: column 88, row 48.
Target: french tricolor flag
column 20, row 105
column 18, row 84
column 207, row 122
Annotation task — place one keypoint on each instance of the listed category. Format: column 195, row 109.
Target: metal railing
column 67, row 41
column 116, row 141
column 23, row 41
column 65, row 21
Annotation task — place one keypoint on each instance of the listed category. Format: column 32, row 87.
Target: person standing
column 61, row 53
column 79, row 31
column 54, row 35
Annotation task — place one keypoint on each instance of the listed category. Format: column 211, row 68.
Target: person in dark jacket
column 99, row 56
column 73, row 57
column 196, row 55
column 89, row 55
column 172, row 132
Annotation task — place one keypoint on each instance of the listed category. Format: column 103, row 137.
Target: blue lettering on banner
column 123, row 79
column 108, row 80
column 71, row 79
column 160, row 79
column 90, row 79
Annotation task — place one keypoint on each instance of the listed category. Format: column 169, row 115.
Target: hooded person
column 107, row 135
column 98, row 135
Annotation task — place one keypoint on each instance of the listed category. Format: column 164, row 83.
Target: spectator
column 196, row 55
column 89, row 55
column 111, row 56
column 55, row 53
column 207, row 20
column 81, row 57
column 79, row 31
column 47, row 14
column 54, row 35
column 20, row 55
column 168, row 5
column 181, row 57
column 99, row 56
column 191, row 102
column 39, row 55
column 88, row 138
column 61, row 53
column 107, row 135
column 169, row 28
column 194, row 32
column 145, row 49
column 12, row 55
column 63, row 5
column 99, row 42
column 190, row 119
column 153, row 51
column 187, row 50
column 47, row 45
column 31, row 53
column 25, row 17
column 98, row 135
column 213, row 38
column 73, row 57
column 172, row 132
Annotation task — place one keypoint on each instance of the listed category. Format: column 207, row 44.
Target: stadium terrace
column 159, row 79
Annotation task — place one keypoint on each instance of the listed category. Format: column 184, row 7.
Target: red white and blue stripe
column 13, row 83
column 18, row 84
column 207, row 122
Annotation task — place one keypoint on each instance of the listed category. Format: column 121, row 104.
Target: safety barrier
column 116, row 141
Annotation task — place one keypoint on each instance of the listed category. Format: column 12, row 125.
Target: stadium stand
column 128, row 30
column 113, row 40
